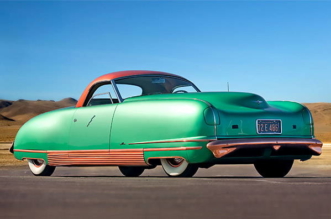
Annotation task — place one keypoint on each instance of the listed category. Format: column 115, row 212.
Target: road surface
column 226, row 191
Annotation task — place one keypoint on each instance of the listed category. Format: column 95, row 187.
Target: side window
column 103, row 95
column 128, row 90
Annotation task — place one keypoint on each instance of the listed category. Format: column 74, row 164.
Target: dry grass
column 322, row 120
column 8, row 133
column 323, row 159
column 324, row 137
column 7, row 159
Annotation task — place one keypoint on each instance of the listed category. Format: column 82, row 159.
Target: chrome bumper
column 221, row 148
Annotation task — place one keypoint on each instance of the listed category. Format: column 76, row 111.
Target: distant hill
column 67, row 101
column 23, row 110
column 5, row 103
column 321, row 113
column 322, row 119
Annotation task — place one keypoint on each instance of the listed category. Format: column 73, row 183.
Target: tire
column 178, row 167
column 131, row 171
column 273, row 168
column 40, row 168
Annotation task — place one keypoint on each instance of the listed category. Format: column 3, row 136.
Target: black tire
column 273, row 168
column 178, row 167
column 40, row 168
column 131, row 171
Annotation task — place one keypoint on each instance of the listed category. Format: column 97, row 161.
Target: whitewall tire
column 40, row 168
column 178, row 167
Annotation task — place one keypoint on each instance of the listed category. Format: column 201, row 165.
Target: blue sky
column 280, row 50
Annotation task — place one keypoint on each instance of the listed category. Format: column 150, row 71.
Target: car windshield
column 149, row 85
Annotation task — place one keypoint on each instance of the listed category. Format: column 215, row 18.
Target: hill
column 13, row 114
column 5, row 103
column 23, row 110
column 322, row 119
column 6, row 121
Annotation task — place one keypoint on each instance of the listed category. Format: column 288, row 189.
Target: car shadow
column 198, row 177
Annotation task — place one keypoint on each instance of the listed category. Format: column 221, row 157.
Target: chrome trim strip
column 128, row 157
column 30, row 151
column 111, row 99
column 111, row 151
column 173, row 149
column 173, row 141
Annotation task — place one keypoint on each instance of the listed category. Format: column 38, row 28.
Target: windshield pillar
column 119, row 97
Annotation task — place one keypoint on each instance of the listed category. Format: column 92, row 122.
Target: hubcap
column 38, row 163
column 175, row 162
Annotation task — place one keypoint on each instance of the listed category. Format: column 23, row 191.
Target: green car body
column 200, row 128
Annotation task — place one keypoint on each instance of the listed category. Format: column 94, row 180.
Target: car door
column 91, row 123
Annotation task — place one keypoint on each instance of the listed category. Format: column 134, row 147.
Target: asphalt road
column 227, row 191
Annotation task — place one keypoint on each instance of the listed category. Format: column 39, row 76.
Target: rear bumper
column 221, row 148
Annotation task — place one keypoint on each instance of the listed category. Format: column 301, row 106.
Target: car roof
column 118, row 74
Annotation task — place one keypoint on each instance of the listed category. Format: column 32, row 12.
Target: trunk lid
column 239, row 112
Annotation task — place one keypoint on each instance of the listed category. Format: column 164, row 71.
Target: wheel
column 40, row 168
column 178, row 167
column 273, row 168
column 131, row 171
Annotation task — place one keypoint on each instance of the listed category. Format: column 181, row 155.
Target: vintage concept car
column 137, row 120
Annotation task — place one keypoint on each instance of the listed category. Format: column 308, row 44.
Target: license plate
column 269, row 126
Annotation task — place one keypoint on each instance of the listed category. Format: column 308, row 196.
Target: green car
column 137, row 120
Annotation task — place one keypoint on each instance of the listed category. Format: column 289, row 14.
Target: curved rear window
column 150, row 85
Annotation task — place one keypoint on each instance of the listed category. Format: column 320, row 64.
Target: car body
column 150, row 118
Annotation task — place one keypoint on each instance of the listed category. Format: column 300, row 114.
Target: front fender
column 48, row 131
